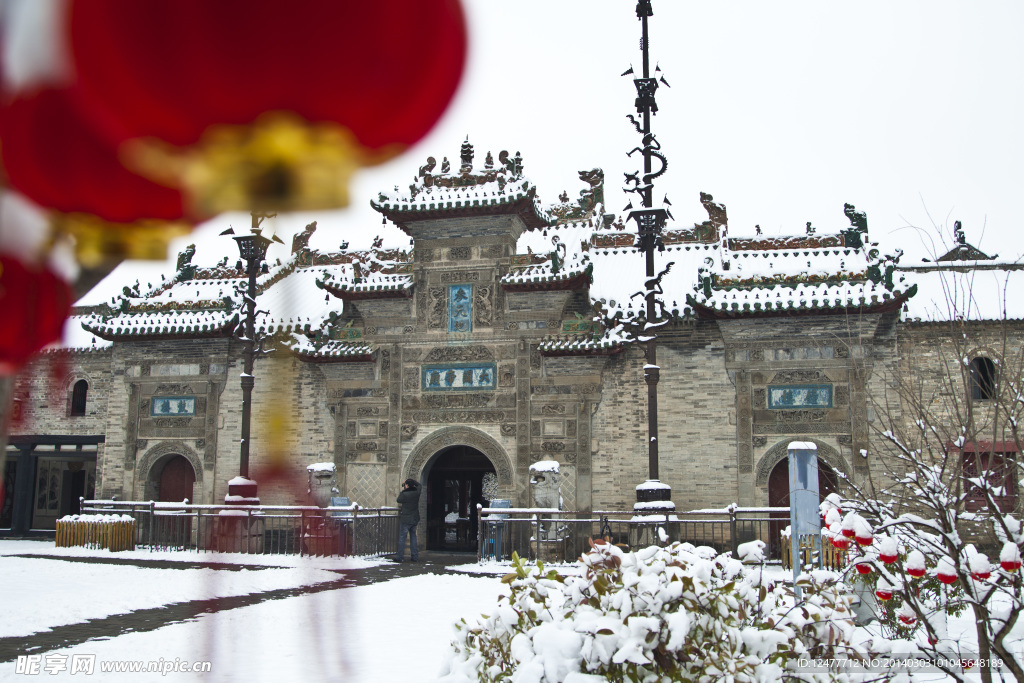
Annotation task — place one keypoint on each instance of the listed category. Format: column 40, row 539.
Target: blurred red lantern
column 35, row 303
column 840, row 542
column 884, row 594
column 980, row 576
column 916, row 572
column 947, row 578
column 849, row 533
column 55, row 158
column 863, row 567
column 864, row 540
column 888, row 558
column 908, row 619
column 250, row 107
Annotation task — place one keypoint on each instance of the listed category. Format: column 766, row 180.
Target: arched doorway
column 176, row 480
column 455, row 485
column 778, row 496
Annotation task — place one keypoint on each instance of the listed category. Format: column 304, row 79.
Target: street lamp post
column 652, row 494
column 253, row 251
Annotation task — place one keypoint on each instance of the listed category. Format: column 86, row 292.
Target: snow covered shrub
column 677, row 613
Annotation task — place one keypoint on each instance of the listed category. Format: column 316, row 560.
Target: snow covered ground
column 395, row 630
column 385, row 632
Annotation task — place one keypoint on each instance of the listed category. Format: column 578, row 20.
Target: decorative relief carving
column 505, row 401
column 801, row 428
column 493, row 251
column 141, row 444
column 459, row 254
column 535, row 428
column 351, row 456
column 366, row 445
column 460, row 276
column 842, row 395
column 757, row 354
column 534, row 357
column 552, row 446
column 512, row 326
column 351, row 429
column 570, row 428
column 382, row 429
column 482, row 306
column 459, row 353
column 200, row 443
column 456, row 416
column 807, row 415
column 425, row 255
column 409, row 329
column 798, row 377
column 382, row 457
column 385, row 362
column 437, row 308
column 553, row 409
column 409, row 431
column 760, row 398
column 845, row 439
column 411, row 381
column 570, row 457
column 508, row 429
column 367, row 411
column 174, row 389
column 842, row 351
column 370, row 330
column 760, row 441
column 144, row 406
column 507, row 375
column 381, row 392
column 554, row 324
column 585, row 388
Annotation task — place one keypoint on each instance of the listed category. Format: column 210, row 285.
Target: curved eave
column 522, row 207
column 578, row 281
column 346, row 294
column 596, row 351
column 888, row 306
column 216, row 333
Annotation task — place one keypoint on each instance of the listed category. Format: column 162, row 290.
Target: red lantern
column 980, row 576
column 916, row 572
column 35, row 303
column 259, row 108
column 908, row 619
column 52, row 156
column 888, row 558
column 864, row 540
column 840, row 542
column 849, row 533
column 884, row 594
column 945, row 571
column 1009, row 557
column 863, row 567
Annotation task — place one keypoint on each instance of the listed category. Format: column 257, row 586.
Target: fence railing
column 257, row 529
column 560, row 535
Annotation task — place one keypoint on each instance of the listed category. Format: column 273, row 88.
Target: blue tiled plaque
column 458, row 377
column 800, row 396
column 172, row 406
column 460, row 308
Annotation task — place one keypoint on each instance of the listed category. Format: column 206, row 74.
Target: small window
column 78, row 396
column 995, row 469
column 983, row 379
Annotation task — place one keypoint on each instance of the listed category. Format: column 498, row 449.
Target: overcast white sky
column 783, row 111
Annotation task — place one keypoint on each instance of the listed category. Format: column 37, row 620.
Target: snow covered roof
column 492, row 190
column 970, row 290
column 317, row 351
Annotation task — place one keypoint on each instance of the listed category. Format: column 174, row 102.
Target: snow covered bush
column 677, row 613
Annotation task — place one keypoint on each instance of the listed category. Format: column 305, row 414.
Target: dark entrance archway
column 778, row 496
column 176, row 480
column 454, row 485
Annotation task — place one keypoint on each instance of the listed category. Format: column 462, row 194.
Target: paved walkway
column 153, row 618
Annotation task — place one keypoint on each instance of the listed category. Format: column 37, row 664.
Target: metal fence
column 257, row 529
column 559, row 535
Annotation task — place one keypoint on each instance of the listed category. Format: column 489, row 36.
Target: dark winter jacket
column 409, row 506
